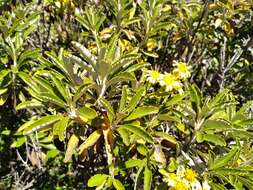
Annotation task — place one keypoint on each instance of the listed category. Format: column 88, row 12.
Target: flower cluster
column 184, row 179
column 171, row 81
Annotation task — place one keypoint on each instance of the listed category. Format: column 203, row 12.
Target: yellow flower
column 182, row 70
column 153, row 76
column 170, row 82
column 190, row 175
column 172, row 179
column 151, row 44
column 180, row 185
column 179, row 87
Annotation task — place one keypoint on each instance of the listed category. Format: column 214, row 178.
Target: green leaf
column 72, row 144
column 111, row 48
column 58, row 63
column 135, row 100
column 5, row 132
column 29, row 54
column 27, row 124
column 125, row 76
column 147, row 178
column 218, row 98
column 214, row 139
column 4, row 73
column 141, row 112
column 107, row 106
column 215, row 125
column 124, row 135
column 53, row 98
column 103, row 68
column 118, row 185
column 29, row 104
column 245, row 122
column 167, row 137
column 40, row 123
column 52, row 153
column 31, row 20
column 142, row 149
column 123, row 99
column 241, row 134
column 60, row 86
column 216, row 186
column 27, row 79
column 88, row 57
column 97, row 180
column 139, row 131
column 60, row 128
column 3, row 90
column 81, row 63
column 175, row 100
column 247, row 182
column 223, row 161
column 133, row 163
column 245, row 107
column 18, row 142
column 151, row 54
column 195, row 97
column 87, row 113
column 3, row 98
column 124, row 62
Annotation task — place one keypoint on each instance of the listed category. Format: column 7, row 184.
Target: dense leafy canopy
column 126, row 94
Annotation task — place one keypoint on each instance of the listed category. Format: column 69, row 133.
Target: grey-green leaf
column 142, row 111
column 139, row 131
column 223, row 161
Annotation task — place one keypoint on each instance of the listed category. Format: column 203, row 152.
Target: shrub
column 110, row 84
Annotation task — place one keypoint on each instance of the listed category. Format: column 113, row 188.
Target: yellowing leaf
column 90, row 141
column 72, row 144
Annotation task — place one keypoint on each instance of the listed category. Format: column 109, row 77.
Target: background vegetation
column 126, row 94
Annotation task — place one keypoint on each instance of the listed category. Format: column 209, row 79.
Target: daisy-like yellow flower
column 181, row 185
column 190, row 175
column 172, row 179
column 181, row 70
column 153, row 76
column 170, row 82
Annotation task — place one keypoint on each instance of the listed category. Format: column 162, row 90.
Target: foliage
column 142, row 94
